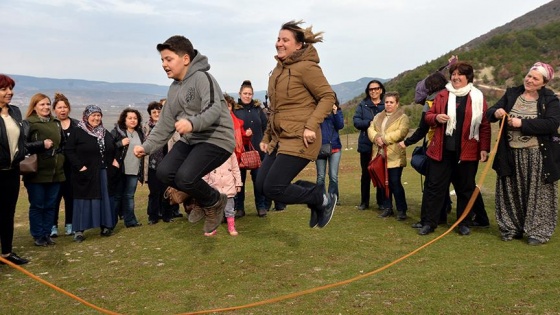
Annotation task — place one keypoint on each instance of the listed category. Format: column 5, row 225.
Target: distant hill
column 113, row 97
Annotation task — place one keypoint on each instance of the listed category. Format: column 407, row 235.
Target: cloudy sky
column 114, row 40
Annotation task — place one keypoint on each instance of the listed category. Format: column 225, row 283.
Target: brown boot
column 196, row 214
column 214, row 214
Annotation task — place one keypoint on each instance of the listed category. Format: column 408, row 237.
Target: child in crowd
column 227, row 180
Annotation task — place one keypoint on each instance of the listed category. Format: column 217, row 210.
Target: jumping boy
column 197, row 110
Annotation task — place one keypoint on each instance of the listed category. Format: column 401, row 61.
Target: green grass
column 172, row 268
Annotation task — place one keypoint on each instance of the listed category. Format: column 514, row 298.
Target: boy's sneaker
column 54, row 231
column 327, row 211
column 68, row 229
column 214, row 214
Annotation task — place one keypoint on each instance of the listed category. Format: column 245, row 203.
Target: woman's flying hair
column 302, row 35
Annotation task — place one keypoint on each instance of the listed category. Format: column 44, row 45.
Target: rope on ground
column 304, row 292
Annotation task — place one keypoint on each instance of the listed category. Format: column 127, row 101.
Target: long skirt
column 525, row 203
column 94, row 213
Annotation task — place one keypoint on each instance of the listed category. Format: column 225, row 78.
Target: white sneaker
column 54, row 231
column 68, row 229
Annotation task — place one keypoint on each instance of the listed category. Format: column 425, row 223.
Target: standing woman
column 12, row 151
column 300, row 99
column 388, row 129
column 329, row 129
column 128, row 134
column 44, row 185
column 157, row 205
column 91, row 152
column 461, row 138
column 528, row 158
column 368, row 108
column 61, row 107
column 254, row 123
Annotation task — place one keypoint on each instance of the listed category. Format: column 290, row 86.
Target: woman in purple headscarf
column 91, row 152
column 528, row 158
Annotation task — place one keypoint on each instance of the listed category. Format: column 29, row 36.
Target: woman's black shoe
column 417, row 225
column 386, row 213
column 15, row 259
column 134, row 225
column 425, row 230
column 363, row 206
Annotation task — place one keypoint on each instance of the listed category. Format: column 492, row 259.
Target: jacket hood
column 308, row 53
column 199, row 63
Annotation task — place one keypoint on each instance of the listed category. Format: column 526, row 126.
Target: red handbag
column 250, row 159
column 378, row 172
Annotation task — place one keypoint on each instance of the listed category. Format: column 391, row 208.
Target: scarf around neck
column 476, row 105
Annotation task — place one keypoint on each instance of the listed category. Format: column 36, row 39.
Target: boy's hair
column 179, row 45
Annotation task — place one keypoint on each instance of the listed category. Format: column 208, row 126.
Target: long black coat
column 82, row 150
column 544, row 127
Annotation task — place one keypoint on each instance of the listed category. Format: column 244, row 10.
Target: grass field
column 171, row 268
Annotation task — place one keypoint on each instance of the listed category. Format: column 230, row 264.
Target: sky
column 115, row 40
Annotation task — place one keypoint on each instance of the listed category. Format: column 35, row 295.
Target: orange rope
column 365, row 275
column 304, row 292
column 54, row 287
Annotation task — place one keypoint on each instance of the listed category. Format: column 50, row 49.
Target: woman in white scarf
column 461, row 139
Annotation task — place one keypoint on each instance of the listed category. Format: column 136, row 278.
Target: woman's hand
column 309, row 137
column 514, row 122
column 379, row 142
column 48, row 143
column 442, row 118
column 499, row 113
column 483, row 156
column 116, row 163
column 263, row 146
column 125, row 142
column 183, row 126
column 402, row 145
column 83, row 169
column 248, row 132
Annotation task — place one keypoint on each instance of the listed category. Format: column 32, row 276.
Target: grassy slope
column 172, row 268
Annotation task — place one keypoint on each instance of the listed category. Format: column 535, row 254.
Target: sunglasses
column 374, row 89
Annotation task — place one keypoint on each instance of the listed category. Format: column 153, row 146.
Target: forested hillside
column 501, row 58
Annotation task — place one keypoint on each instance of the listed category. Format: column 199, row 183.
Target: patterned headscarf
column 99, row 131
column 545, row 69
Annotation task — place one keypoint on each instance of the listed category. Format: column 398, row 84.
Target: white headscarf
column 477, row 107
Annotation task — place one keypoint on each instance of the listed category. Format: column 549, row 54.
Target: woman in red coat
column 461, row 139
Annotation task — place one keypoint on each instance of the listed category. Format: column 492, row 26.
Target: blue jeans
column 42, row 200
column 124, row 198
column 396, row 190
column 333, row 161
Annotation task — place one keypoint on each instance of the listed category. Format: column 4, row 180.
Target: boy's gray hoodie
column 199, row 99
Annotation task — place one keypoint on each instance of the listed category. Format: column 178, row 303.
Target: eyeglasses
column 374, row 89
